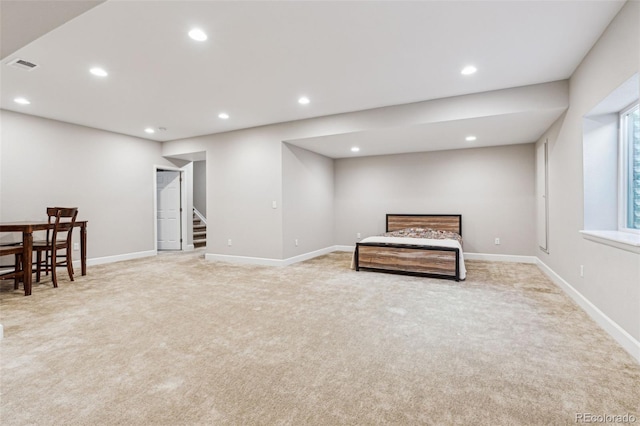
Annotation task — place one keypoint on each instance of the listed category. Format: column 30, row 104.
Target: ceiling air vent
column 23, row 65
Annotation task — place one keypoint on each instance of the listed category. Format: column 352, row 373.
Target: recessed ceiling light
column 21, row 101
column 355, row 149
column 470, row 138
column 468, row 70
column 149, row 130
column 197, row 34
column 303, row 100
column 99, row 72
column 223, row 115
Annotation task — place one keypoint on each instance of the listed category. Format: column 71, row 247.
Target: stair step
column 199, row 232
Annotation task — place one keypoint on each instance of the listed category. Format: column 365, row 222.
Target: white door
column 168, row 210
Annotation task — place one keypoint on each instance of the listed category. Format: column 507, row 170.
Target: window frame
column 623, row 168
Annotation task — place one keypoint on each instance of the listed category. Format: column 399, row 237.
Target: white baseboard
column 117, row 258
column 627, row 341
column 311, row 255
column 474, row 256
column 121, row 257
column 243, row 260
column 246, row 260
column 307, row 256
column 500, row 257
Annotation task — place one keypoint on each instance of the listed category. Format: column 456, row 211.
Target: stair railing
column 200, row 216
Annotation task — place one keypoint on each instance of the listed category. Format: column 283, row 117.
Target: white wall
column 244, row 177
column 493, row 188
column 200, row 186
column 245, row 173
column 600, row 171
column 611, row 275
column 307, row 201
column 108, row 176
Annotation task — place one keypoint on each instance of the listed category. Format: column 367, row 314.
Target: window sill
column 622, row 240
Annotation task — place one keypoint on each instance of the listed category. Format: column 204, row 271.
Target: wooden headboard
column 444, row 222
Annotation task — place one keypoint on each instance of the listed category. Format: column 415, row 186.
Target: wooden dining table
column 27, row 228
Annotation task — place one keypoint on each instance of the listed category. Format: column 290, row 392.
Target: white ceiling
column 515, row 128
column 261, row 56
column 24, row 21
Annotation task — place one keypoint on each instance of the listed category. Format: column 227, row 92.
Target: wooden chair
column 58, row 238
column 51, row 214
column 17, row 272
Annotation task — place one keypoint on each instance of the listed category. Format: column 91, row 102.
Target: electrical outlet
column 581, row 271
column 274, row 205
column 229, row 242
column 358, row 235
column 497, row 241
column 76, row 246
column 296, row 242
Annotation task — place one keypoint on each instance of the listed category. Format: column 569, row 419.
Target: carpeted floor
column 177, row 340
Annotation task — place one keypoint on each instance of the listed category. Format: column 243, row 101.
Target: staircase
column 199, row 232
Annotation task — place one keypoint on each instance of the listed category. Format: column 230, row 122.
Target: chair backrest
column 51, row 214
column 65, row 220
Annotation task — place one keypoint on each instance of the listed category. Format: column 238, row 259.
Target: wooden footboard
column 429, row 261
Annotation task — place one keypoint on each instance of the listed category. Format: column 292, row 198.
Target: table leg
column 83, row 249
column 27, row 262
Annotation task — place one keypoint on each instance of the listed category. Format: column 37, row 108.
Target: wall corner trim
column 627, row 341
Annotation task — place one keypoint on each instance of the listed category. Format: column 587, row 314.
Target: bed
column 403, row 250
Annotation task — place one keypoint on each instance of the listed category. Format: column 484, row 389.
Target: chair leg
column 38, row 264
column 47, row 257
column 53, row 268
column 69, row 264
column 18, row 267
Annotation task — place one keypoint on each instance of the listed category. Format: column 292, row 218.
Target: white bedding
column 418, row 242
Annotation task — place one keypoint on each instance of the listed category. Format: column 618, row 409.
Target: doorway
column 169, row 209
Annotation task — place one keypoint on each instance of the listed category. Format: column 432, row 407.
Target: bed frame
column 426, row 261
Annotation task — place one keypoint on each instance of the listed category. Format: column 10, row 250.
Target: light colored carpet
column 177, row 340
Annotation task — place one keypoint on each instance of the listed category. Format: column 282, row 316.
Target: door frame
column 183, row 204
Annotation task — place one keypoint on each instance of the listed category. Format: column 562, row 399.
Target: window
column 611, row 169
column 629, row 169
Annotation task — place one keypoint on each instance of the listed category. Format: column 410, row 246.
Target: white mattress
column 419, row 242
